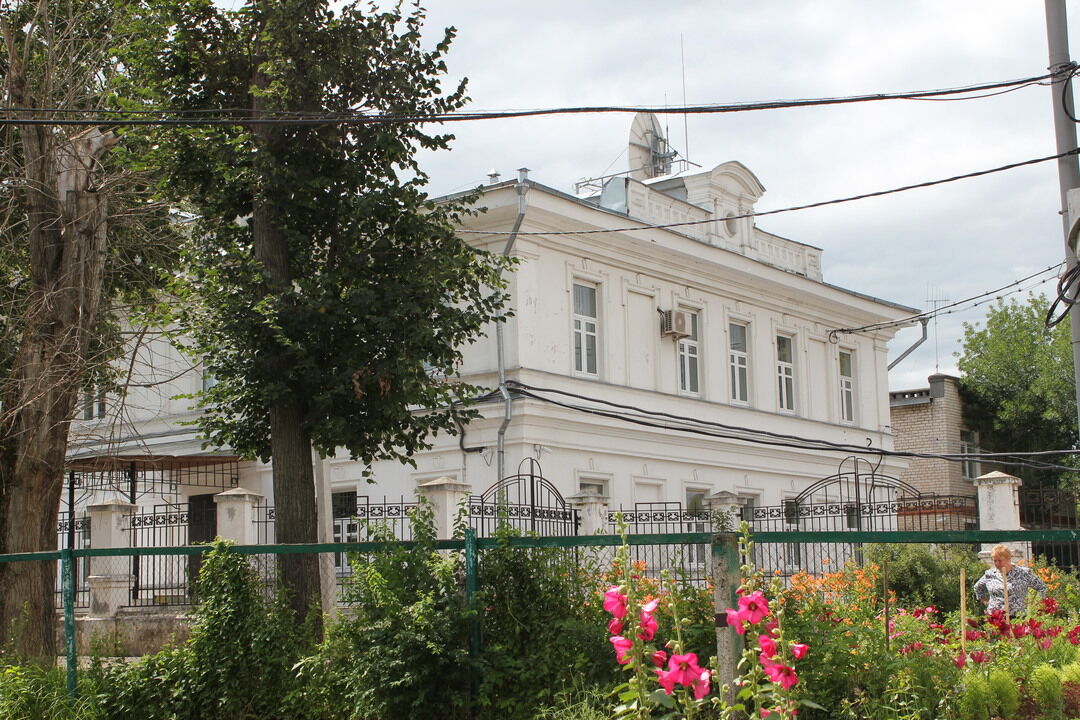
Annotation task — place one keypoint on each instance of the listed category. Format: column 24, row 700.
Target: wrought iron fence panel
column 161, row 580
column 526, row 502
column 1052, row 509
column 79, row 533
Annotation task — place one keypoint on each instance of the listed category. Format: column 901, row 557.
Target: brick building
column 931, row 420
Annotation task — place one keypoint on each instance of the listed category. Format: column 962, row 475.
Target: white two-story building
column 646, row 365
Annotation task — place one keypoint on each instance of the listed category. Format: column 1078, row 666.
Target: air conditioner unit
column 674, row 323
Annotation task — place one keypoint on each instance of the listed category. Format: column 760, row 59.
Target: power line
column 948, row 309
column 793, row 208
column 245, row 116
column 662, row 420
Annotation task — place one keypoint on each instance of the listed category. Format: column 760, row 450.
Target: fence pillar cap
column 238, row 493
column 584, row 497
column 113, row 504
column 997, row 478
column 446, row 482
column 725, row 497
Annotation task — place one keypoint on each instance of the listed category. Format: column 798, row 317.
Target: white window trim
column 596, row 478
column 747, row 355
column 851, row 388
column 683, row 345
column 586, row 281
column 792, row 374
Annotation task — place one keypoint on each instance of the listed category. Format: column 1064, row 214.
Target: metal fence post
column 726, row 579
column 67, row 568
column 474, row 620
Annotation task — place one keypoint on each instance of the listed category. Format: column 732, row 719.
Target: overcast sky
column 949, row 242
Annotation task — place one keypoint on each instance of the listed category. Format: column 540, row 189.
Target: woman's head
column 1002, row 556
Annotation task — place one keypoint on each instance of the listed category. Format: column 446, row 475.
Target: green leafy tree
column 77, row 238
column 1017, row 382
column 324, row 290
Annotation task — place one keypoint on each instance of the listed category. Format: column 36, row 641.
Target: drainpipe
column 522, row 187
column 911, row 349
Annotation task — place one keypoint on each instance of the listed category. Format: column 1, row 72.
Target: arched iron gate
column 525, row 501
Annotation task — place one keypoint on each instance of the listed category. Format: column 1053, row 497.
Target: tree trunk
column 66, row 235
column 290, row 443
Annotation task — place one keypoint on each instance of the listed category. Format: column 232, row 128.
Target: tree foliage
column 77, row 234
column 324, row 290
column 1017, row 383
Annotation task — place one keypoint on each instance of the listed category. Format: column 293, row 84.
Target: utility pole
column 1057, row 42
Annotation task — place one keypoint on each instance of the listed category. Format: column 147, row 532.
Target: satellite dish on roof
column 650, row 155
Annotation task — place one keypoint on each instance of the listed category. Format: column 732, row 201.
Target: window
column 847, row 386
column 585, row 329
column 690, row 358
column 969, row 443
column 346, row 526
column 791, row 512
column 93, row 404
column 696, row 516
column 785, row 371
column 739, row 360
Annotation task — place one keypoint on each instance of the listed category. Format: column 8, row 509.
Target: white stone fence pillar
column 445, row 495
column 236, row 515
column 999, row 509
column 592, row 512
column 110, row 578
column 729, row 507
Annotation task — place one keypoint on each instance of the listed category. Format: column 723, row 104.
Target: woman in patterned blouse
column 991, row 589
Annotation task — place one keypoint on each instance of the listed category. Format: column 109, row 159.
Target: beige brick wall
column 933, row 427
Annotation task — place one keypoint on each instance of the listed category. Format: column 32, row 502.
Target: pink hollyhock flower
column 615, row 602
column 799, row 650
column 658, row 658
column 979, row 656
column 650, row 607
column 772, row 628
column 754, row 608
column 701, row 685
column 1050, row 605
column 647, row 626
column 622, row 647
column 960, row 661
column 684, row 668
column 734, row 619
column 615, row 627
column 767, row 645
column 783, row 675
column 666, row 679
column 765, row 712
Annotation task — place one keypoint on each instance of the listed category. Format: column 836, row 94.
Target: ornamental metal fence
column 721, row 566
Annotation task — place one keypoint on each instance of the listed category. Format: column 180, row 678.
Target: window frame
column 969, row 469
column 787, row 388
column 848, row 405
column 688, row 353
column 580, row 333
column 739, row 371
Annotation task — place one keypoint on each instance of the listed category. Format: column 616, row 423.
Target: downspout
column 911, row 349
column 522, row 187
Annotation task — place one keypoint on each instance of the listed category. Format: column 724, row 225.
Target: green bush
column 400, row 650
column 1045, row 687
column 236, row 664
column 928, row 575
column 543, row 630
column 1004, row 694
column 975, row 699
column 1070, row 673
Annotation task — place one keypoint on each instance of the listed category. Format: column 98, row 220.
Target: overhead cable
column 807, row 206
column 948, row 309
column 245, row 116
column 662, row 420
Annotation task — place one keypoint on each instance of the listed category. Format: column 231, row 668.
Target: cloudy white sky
column 951, row 242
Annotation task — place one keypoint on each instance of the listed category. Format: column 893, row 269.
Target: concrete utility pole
column 1057, row 41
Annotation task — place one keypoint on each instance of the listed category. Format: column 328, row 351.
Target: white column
column 592, row 512
column 445, row 494
column 110, row 577
column 999, row 509
column 236, row 515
